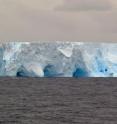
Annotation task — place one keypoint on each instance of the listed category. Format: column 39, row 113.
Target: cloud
column 29, row 4
column 28, row 21
column 85, row 5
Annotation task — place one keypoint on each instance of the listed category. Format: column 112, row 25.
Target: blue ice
column 58, row 59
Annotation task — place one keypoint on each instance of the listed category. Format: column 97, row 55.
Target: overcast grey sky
column 50, row 20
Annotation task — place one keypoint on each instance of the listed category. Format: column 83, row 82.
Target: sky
column 58, row 20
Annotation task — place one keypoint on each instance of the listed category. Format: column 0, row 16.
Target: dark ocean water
column 58, row 101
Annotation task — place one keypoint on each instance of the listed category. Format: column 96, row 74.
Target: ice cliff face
column 58, row 59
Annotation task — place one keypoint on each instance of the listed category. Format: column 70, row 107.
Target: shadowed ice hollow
column 58, row 59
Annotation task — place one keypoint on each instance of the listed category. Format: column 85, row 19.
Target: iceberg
column 58, row 59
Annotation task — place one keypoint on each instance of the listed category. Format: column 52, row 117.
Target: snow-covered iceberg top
column 58, row 59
